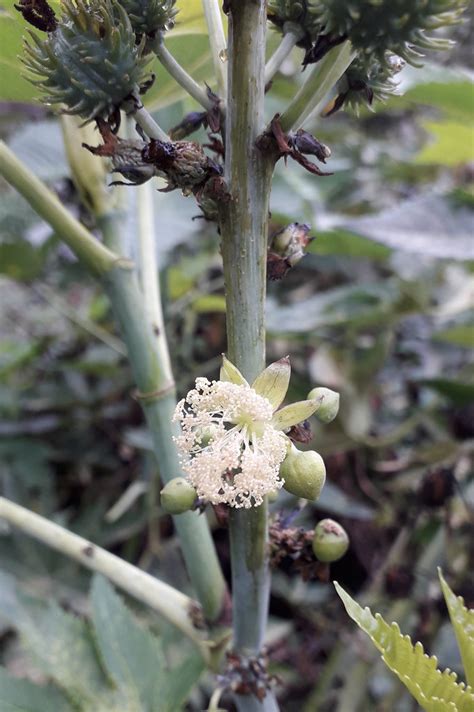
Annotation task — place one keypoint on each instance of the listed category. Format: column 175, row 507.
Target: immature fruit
column 177, row 496
column 304, row 473
column 330, row 541
column 91, row 62
column 150, row 17
column 329, row 407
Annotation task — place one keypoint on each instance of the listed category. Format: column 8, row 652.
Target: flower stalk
column 181, row 76
column 284, row 49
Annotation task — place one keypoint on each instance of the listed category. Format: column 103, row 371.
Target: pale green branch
column 181, row 76
column 321, row 80
column 175, row 606
column 96, row 256
column 217, row 41
column 284, row 49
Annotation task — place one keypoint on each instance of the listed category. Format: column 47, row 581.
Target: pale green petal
column 231, row 373
column 273, row 382
column 295, row 413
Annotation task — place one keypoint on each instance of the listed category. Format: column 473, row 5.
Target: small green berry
column 330, row 541
column 329, row 407
column 304, row 473
column 177, row 496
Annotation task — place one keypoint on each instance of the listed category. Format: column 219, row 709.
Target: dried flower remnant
column 233, row 441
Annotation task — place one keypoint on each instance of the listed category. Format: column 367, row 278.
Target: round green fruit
column 178, row 496
column 304, row 473
column 329, row 407
column 330, row 541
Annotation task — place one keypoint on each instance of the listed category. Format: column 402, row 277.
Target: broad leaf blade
column 433, row 690
column 180, row 681
column 23, row 696
column 462, row 619
column 132, row 656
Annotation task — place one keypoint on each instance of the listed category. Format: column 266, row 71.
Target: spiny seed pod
column 295, row 15
column 91, row 62
column 150, row 17
column 329, row 407
column 330, row 541
column 376, row 27
column 362, row 84
column 304, row 473
column 178, row 496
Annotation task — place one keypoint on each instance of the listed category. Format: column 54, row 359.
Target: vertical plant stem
column 244, row 227
column 217, row 41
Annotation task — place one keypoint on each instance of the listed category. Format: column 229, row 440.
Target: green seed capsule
column 329, row 403
column 304, row 473
column 330, row 541
column 178, row 496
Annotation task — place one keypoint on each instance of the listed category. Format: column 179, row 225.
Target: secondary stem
column 288, row 42
column 323, row 77
column 95, row 256
column 244, row 227
column 181, row 76
column 217, row 41
column 166, row 600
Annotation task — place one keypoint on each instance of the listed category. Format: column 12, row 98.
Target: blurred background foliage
column 381, row 309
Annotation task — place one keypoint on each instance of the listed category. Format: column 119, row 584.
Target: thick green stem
column 95, row 256
column 323, row 77
column 244, row 227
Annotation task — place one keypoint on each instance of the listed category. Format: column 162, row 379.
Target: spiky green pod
column 362, row 85
column 150, row 17
column 286, row 14
column 91, row 63
column 376, row 27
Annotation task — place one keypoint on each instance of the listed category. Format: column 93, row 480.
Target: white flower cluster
column 233, row 440
column 231, row 451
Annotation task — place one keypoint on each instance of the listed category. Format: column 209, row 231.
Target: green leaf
column 451, row 144
column 273, row 382
column 64, row 649
column 459, row 392
column 179, row 683
column 295, row 413
column 23, row 696
column 132, row 656
column 430, row 225
column 433, row 690
column 343, row 242
column 462, row 619
column 20, row 260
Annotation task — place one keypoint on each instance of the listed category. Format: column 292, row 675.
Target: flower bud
column 330, row 541
column 329, row 407
column 177, row 496
column 304, row 473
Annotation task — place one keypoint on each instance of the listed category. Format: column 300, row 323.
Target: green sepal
column 273, row 382
column 295, row 413
column 231, row 373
